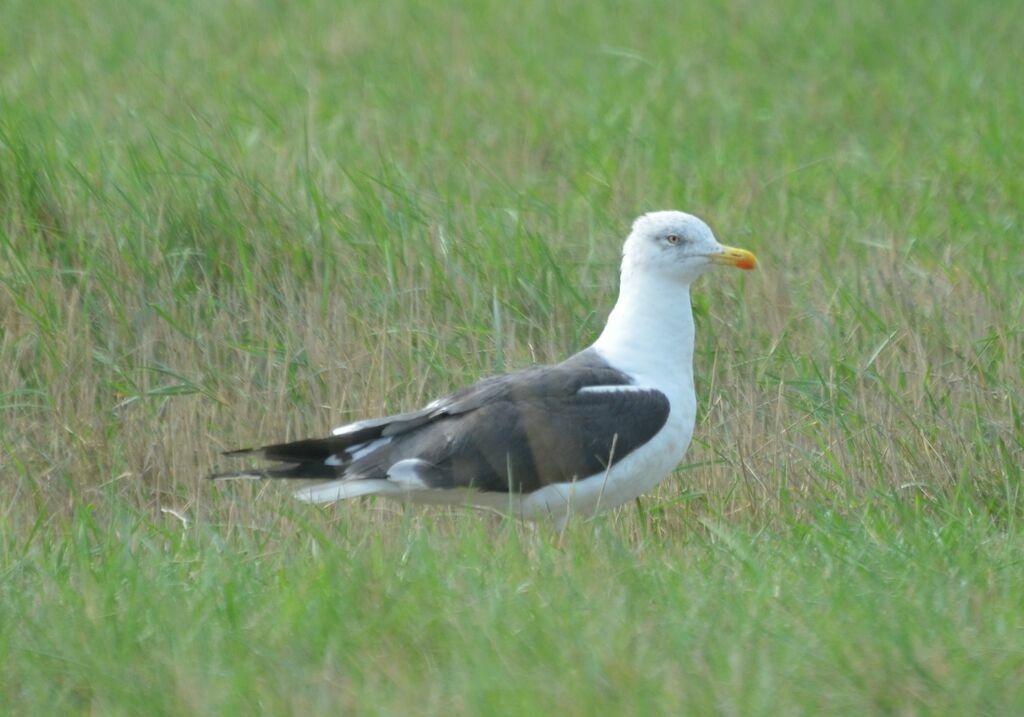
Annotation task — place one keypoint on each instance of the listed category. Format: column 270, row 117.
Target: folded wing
column 517, row 432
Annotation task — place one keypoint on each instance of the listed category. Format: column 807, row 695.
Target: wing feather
column 516, row 432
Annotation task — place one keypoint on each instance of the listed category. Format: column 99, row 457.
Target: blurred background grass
column 232, row 222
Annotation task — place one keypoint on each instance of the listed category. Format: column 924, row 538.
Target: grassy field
column 231, row 222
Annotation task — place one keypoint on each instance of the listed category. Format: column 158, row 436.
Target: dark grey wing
column 529, row 437
column 518, row 432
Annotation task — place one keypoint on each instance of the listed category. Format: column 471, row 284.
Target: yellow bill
column 731, row 256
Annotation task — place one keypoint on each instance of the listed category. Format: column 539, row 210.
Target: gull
column 574, row 438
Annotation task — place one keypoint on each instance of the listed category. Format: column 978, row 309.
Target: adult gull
column 584, row 435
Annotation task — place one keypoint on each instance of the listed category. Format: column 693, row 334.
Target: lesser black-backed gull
column 584, row 435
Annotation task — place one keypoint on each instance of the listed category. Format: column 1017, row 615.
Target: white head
column 676, row 246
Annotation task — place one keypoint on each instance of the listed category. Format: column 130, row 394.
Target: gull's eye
column 672, row 239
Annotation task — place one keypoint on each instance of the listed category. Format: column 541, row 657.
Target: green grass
column 896, row 612
column 224, row 223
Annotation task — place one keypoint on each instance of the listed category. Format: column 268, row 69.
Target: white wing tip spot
column 407, row 474
column 349, row 428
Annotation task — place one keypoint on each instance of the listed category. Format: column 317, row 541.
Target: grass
column 296, row 615
column 230, row 222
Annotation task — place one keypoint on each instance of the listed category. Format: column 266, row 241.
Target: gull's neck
column 649, row 333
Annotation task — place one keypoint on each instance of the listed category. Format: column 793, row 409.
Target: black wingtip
column 241, row 452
